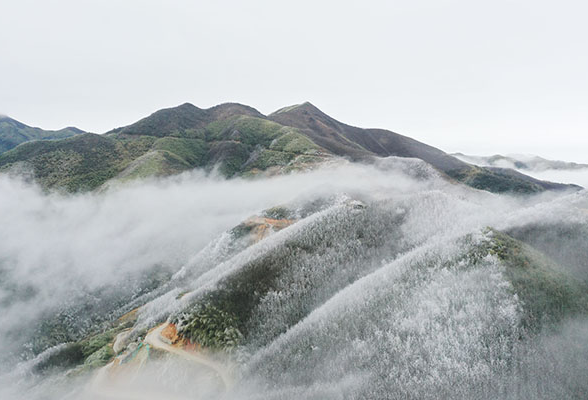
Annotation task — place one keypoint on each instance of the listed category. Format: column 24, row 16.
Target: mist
column 389, row 297
column 55, row 247
column 536, row 167
column 577, row 177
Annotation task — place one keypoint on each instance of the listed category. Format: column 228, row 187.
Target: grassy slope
column 486, row 179
column 244, row 144
column 83, row 162
column 237, row 144
column 13, row 133
column 358, row 143
column 240, row 141
column 547, row 291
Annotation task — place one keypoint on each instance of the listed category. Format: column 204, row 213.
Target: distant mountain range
column 521, row 162
column 238, row 140
column 13, row 133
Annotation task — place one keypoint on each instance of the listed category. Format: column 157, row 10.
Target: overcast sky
column 480, row 77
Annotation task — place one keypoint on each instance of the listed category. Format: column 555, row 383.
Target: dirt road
column 153, row 338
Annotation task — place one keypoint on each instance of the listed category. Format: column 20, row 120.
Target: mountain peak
column 166, row 121
column 73, row 129
column 186, row 105
column 175, row 120
column 307, row 106
column 225, row 110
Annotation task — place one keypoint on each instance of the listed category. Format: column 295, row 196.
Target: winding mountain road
column 101, row 388
column 153, row 338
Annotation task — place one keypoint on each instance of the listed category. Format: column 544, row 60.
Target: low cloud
column 53, row 245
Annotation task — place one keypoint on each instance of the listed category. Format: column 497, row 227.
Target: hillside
column 395, row 292
column 239, row 141
column 357, row 143
column 13, row 133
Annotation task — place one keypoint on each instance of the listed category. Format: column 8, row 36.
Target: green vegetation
column 93, row 352
column 279, row 212
column 181, row 121
column 230, row 156
column 99, row 358
column 152, row 164
column 243, row 144
column 13, row 133
column 67, row 356
column 95, row 343
column 293, row 142
column 269, row 158
column 242, row 230
column 485, row 179
column 89, row 340
column 210, row 327
column 548, row 294
column 81, row 163
column 288, row 108
column 192, row 151
column 235, row 138
column 349, row 240
column 250, row 131
column 132, row 146
column 214, row 130
column 168, row 142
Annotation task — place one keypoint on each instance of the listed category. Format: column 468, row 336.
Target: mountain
column 79, row 163
column 185, row 120
column 13, row 133
column 395, row 293
column 521, row 162
column 374, row 278
column 239, row 140
column 357, row 143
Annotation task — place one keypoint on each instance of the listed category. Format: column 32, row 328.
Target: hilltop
column 239, row 141
column 13, row 133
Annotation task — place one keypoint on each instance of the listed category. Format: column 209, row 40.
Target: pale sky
column 481, row 77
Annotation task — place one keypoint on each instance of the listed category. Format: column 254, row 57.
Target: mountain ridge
column 13, row 133
column 242, row 141
column 168, row 121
